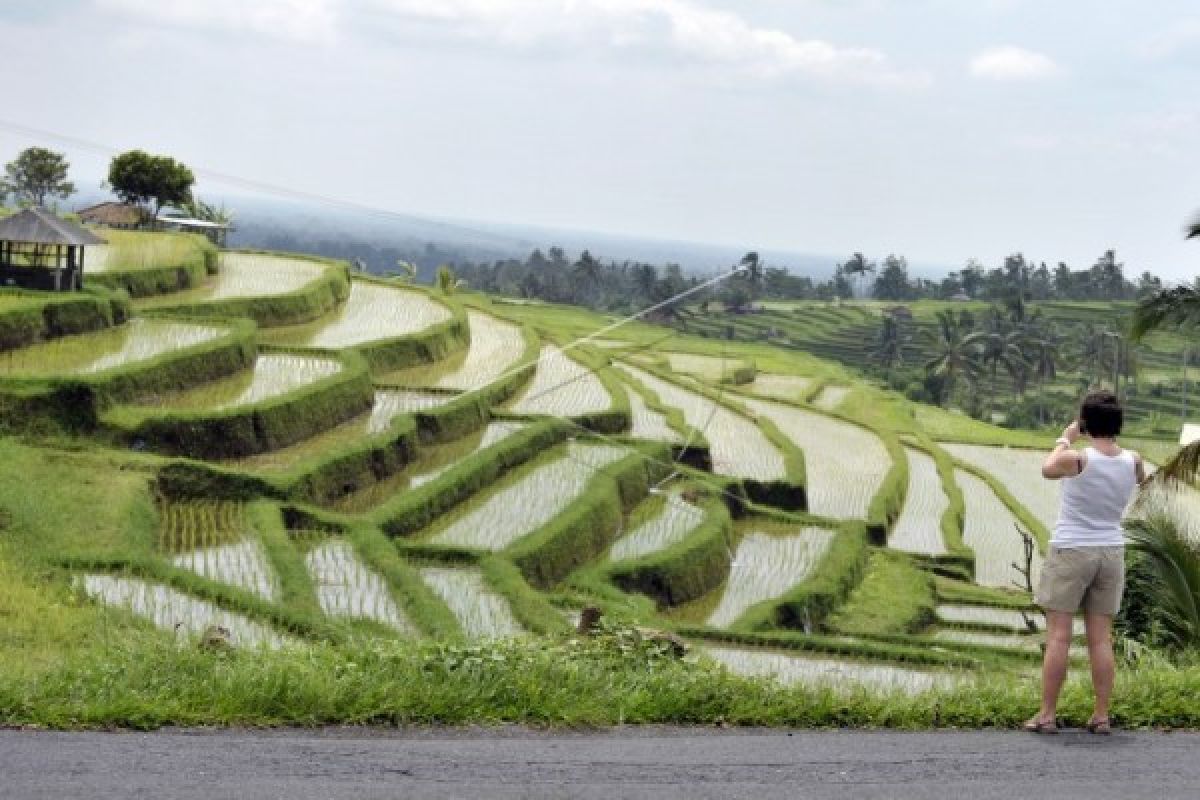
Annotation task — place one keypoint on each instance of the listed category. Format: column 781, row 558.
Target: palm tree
column 956, row 349
column 889, row 351
column 1168, row 578
column 406, row 271
column 446, row 282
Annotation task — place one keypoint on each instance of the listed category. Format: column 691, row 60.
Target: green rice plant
column 428, row 464
column 528, row 500
column 348, row 588
column 562, row 387
column 794, row 388
column 137, row 341
column 990, row 530
column 848, row 462
column 766, row 565
column 918, row 529
column 739, row 448
column 894, row 596
column 128, row 251
column 710, row 369
column 389, row 404
column 173, row 610
column 214, row 540
column 482, row 613
column 1019, row 471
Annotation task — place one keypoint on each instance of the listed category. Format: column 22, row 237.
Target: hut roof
column 111, row 213
column 39, row 226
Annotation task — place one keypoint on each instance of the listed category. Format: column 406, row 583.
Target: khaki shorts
column 1093, row 577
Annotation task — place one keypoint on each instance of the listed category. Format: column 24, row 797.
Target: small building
column 112, row 215
column 215, row 231
column 39, row 250
column 1190, row 434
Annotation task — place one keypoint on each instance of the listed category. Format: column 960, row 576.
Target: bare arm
column 1063, row 462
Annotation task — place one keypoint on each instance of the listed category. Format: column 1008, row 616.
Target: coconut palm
column 889, row 350
column 405, row 271
column 1168, row 579
column 446, row 282
column 955, row 347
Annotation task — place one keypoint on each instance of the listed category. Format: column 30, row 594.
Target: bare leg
column 1100, row 653
column 1054, row 666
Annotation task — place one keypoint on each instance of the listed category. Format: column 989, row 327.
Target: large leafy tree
column 150, row 181
column 35, row 175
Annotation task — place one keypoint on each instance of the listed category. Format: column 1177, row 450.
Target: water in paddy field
column 481, row 612
column 670, row 524
column 1002, row 617
column 273, row 375
column 766, row 566
column 348, row 588
column 90, row 353
column 372, row 312
column 990, row 530
column 780, row 387
column 243, row 564
column 647, row 423
column 823, row 672
column 172, row 610
column 919, row 527
column 738, row 446
column 831, row 397
column 561, row 387
column 848, row 463
column 1020, row 472
column 528, row 502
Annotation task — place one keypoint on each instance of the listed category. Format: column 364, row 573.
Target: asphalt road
column 629, row 762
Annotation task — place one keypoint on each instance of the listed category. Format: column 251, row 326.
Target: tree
column 198, row 209
column 889, row 350
column 956, row 350
column 150, row 181
column 446, row 282
column 893, row 280
column 36, row 174
column 405, row 270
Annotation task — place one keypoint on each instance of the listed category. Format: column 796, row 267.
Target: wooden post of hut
column 39, row 250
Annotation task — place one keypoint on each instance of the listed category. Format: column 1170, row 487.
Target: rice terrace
column 384, row 502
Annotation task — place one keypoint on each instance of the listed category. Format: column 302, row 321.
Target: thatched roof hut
column 39, row 250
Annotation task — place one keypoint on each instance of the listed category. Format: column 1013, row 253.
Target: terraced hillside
column 305, row 456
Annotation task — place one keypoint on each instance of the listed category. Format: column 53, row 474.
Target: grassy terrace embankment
column 398, row 502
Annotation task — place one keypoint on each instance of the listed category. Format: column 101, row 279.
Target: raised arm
column 1063, row 462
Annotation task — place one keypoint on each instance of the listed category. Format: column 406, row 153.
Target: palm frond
column 1174, row 563
column 1193, row 230
column 1183, row 468
column 1178, row 306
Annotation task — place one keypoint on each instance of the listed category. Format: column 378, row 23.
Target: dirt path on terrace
column 623, row 763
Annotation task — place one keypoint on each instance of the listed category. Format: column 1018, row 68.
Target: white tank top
column 1094, row 501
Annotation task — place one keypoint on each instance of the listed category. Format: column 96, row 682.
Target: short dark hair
column 1101, row 414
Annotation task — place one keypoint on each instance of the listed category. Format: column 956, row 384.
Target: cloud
column 1183, row 37
column 682, row 28
column 298, row 20
column 1012, row 64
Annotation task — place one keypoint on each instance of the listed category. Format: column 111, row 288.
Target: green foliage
column 150, row 181
column 35, row 175
column 686, row 570
column 893, row 597
column 1164, row 585
column 251, row 428
column 27, row 317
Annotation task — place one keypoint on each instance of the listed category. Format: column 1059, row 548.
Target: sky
column 942, row 130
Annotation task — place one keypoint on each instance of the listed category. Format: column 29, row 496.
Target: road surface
column 365, row 764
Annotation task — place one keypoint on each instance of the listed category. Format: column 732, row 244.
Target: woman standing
column 1086, row 563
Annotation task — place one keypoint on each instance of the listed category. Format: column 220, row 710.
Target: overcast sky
column 940, row 129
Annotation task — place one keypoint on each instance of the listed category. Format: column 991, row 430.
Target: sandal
column 1036, row 725
column 1101, row 727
